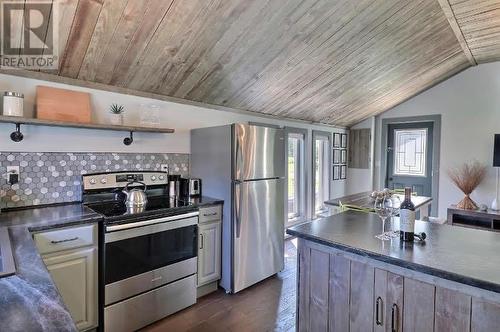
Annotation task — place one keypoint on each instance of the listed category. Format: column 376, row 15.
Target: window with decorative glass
column 410, row 152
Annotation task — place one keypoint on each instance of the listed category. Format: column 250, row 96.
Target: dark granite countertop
column 455, row 253
column 203, row 201
column 29, row 300
column 43, row 218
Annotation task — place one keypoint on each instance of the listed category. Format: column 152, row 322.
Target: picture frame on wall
column 343, row 157
column 336, row 140
column 336, row 172
column 343, row 141
column 343, row 172
column 336, row 156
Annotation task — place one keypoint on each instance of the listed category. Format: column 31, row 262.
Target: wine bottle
column 407, row 218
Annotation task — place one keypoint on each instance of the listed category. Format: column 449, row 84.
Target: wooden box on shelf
column 62, row 105
column 487, row 220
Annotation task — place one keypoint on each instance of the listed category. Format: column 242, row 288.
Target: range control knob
column 161, row 177
column 153, row 178
column 93, row 181
column 104, row 180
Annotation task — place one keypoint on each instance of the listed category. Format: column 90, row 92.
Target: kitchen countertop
column 467, row 256
column 363, row 200
column 29, row 300
column 43, row 218
column 204, row 201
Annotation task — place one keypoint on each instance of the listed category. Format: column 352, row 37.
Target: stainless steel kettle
column 135, row 197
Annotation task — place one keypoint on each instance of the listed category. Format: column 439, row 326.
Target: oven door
column 144, row 255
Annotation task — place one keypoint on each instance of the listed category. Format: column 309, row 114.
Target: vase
column 494, row 205
column 116, row 119
column 467, row 204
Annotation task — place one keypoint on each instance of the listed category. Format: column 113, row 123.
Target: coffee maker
column 190, row 187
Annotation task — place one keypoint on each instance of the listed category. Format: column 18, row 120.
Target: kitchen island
column 350, row 280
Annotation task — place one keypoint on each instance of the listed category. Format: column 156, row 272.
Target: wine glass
column 396, row 203
column 384, row 207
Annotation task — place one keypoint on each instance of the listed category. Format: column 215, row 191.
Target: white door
column 76, row 279
column 209, row 253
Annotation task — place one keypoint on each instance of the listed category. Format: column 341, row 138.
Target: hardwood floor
column 267, row 306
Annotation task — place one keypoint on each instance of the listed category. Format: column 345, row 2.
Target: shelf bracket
column 17, row 136
column 129, row 140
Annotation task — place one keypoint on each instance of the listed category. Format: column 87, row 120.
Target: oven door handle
column 150, row 222
column 149, row 229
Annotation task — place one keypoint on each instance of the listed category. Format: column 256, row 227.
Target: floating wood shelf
column 17, row 136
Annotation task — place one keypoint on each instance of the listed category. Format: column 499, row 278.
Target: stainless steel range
column 150, row 250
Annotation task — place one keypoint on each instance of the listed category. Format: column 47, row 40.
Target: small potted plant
column 116, row 114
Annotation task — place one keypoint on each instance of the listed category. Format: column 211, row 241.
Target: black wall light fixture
column 17, row 136
column 129, row 140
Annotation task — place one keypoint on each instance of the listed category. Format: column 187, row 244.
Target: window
column 410, row 158
column 321, row 168
column 296, row 177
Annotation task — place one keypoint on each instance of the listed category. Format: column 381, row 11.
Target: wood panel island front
column 349, row 280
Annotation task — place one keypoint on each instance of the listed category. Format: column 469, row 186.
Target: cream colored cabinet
column 70, row 255
column 209, row 252
column 73, row 273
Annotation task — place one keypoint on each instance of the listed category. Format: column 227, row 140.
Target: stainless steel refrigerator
column 245, row 165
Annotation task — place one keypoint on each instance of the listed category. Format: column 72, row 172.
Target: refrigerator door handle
column 238, row 156
column 237, row 193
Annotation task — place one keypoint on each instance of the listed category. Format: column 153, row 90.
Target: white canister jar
column 13, row 103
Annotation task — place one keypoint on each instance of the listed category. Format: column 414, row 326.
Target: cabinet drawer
column 210, row 213
column 64, row 239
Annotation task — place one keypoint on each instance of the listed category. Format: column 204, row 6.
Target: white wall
column 470, row 107
column 361, row 180
column 181, row 117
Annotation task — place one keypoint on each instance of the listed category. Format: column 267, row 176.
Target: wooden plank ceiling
column 335, row 62
column 479, row 21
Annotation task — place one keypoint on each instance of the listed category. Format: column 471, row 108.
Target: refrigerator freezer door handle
column 237, row 193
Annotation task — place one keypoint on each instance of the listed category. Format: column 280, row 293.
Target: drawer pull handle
column 379, row 304
column 65, row 240
column 201, row 241
column 156, row 279
column 394, row 318
column 209, row 214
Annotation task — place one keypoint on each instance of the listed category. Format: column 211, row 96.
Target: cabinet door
column 209, row 253
column 418, row 311
column 388, row 302
column 485, row 316
column 75, row 276
column 338, row 317
column 380, row 301
column 453, row 311
column 361, row 303
column 395, row 301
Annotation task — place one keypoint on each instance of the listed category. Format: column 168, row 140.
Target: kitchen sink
column 7, row 266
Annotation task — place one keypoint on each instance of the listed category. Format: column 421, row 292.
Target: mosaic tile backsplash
column 47, row 178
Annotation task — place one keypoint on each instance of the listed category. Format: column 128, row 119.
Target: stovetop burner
column 118, row 208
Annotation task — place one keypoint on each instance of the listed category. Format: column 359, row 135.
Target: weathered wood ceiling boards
column 330, row 61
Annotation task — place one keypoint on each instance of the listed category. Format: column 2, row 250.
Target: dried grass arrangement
column 467, row 177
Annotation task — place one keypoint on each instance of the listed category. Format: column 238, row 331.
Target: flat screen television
column 496, row 151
